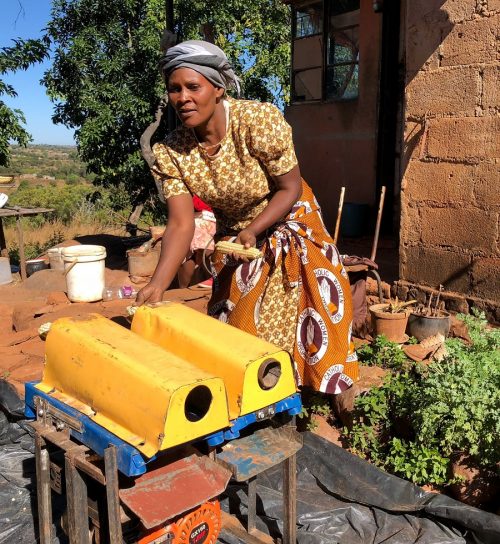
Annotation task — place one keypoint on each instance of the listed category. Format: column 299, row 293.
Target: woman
column 238, row 157
column 201, row 246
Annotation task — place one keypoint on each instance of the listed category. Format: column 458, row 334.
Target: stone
column 15, row 338
column 57, row 297
column 434, row 267
column 453, row 11
column 456, row 304
column 471, row 42
column 35, row 347
column 447, row 90
column 463, row 228
column 467, row 138
column 487, row 185
column 485, row 278
column 490, row 97
column 439, row 182
column 411, row 223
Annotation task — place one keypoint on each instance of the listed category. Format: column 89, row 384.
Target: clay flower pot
column 424, row 326
column 391, row 325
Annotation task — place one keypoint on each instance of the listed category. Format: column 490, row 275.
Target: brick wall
column 450, row 191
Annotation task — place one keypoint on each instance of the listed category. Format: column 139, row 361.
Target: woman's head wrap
column 203, row 57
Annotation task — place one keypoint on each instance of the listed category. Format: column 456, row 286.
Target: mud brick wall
column 450, row 191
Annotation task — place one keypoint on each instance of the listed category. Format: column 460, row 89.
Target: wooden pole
column 22, row 257
column 377, row 226
column 3, row 244
column 339, row 215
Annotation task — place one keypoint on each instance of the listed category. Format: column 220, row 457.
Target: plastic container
column 34, row 265
column 84, row 271
column 5, row 273
column 113, row 292
column 55, row 258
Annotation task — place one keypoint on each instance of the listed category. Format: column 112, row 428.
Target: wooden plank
column 249, row 456
column 76, row 496
column 252, row 504
column 43, row 492
column 233, row 526
column 112, row 495
column 21, row 248
column 13, row 211
column 290, row 500
column 3, row 244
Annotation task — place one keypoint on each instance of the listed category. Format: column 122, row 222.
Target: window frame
column 325, row 4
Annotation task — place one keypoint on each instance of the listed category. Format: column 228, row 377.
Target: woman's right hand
column 149, row 294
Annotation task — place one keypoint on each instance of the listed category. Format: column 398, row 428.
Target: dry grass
column 68, row 232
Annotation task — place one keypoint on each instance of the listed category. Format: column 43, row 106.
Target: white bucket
column 5, row 274
column 84, row 270
column 55, row 258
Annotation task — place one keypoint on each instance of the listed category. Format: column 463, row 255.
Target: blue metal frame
column 130, row 460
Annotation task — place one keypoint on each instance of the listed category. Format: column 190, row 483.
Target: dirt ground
column 25, row 306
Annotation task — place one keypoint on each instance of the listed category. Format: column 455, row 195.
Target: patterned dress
column 297, row 296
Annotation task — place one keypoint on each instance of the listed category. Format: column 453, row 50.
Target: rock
column 480, row 487
column 35, row 347
column 458, row 329
column 57, row 297
column 6, row 325
column 46, row 280
column 14, row 338
column 370, row 377
column 322, row 428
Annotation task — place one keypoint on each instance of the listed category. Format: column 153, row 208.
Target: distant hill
column 47, row 162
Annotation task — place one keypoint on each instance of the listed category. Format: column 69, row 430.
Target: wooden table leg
column 252, row 504
column 43, row 491
column 290, row 500
column 21, row 247
column 112, row 495
column 77, row 501
column 3, row 243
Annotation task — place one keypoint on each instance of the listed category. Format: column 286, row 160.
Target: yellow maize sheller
column 256, row 373
column 145, row 395
column 149, row 404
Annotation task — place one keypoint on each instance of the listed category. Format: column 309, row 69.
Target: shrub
column 420, row 417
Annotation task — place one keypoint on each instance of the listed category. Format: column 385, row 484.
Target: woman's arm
column 289, row 190
column 174, row 248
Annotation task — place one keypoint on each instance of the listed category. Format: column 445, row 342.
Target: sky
column 29, row 21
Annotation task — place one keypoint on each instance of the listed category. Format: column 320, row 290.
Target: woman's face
column 192, row 96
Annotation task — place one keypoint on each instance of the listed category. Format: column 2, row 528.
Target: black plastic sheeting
column 341, row 499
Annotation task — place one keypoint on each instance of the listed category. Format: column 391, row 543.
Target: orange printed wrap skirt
column 296, row 296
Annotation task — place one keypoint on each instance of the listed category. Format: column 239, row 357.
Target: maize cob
column 238, row 249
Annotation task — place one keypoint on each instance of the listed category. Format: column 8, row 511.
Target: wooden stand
column 103, row 520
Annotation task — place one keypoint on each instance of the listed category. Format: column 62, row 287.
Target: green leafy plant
column 382, row 352
column 422, row 417
column 314, row 403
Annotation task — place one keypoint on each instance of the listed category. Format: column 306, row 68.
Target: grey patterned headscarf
column 203, row 57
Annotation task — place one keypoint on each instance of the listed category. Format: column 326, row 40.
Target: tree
column 104, row 78
column 23, row 54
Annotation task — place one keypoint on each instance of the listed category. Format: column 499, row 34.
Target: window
column 309, row 20
column 307, row 62
column 342, row 68
column 325, row 64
